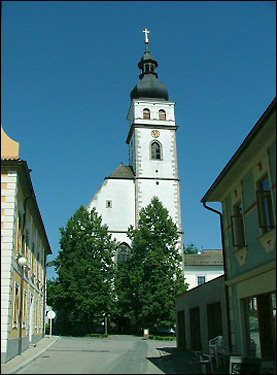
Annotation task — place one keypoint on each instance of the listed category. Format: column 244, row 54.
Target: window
column 19, row 232
column 201, row 279
column 32, row 258
column 15, row 305
column 214, row 320
column 155, row 151
column 264, row 204
column 108, row 204
column 37, row 264
column 162, row 115
column 260, row 321
column 195, row 330
column 27, row 244
column 146, row 114
column 237, row 226
column 123, row 253
column 24, row 308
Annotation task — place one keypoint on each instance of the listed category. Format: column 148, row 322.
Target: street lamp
column 22, row 262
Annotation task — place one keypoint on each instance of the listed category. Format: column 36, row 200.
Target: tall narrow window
column 32, row 257
column 123, row 253
column 162, row 115
column 146, row 114
column 155, row 151
column 15, row 305
column 264, row 203
column 237, row 227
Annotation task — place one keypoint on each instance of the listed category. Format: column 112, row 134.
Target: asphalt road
column 112, row 355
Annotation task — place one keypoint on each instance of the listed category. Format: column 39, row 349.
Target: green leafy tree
column 155, row 267
column 190, row 249
column 124, row 311
column 85, row 268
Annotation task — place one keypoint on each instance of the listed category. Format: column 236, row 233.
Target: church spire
column 149, row 86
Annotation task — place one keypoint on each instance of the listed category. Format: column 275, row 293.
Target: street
column 112, row 355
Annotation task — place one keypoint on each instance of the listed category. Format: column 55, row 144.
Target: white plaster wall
column 122, row 194
column 146, row 166
column 192, row 272
column 166, row 191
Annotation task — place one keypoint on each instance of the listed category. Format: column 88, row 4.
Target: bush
column 163, row 338
column 98, row 335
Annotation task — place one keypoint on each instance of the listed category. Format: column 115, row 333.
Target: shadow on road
column 175, row 361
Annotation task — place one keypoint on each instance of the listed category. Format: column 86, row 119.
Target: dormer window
column 162, row 115
column 146, row 114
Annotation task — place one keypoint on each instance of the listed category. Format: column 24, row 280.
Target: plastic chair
column 204, row 363
column 216, row 346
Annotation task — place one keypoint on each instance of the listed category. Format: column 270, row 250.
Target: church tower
column 152, row 169
column 152, row 141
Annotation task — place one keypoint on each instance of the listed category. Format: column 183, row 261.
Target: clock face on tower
column 155, row 133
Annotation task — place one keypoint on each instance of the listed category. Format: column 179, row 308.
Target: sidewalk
column 28, row 355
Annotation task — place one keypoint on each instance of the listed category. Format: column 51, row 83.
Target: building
column 152, row 169
column 24, row 249
column 201, row 315
column 246, row 189
column 202, row 267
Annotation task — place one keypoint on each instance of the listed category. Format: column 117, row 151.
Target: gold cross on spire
column 145, row 31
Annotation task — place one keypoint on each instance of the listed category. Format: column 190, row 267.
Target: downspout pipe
column 224, row 266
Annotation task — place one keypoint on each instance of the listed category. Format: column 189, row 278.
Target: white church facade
column 152, row 169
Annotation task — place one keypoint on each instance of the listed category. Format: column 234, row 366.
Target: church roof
column 205, row 258
column 122, row 171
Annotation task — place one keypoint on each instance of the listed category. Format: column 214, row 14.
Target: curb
column 27, row 361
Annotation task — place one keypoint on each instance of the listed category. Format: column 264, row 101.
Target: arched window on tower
column 146, row 114
column 123, row 253
column 156, row 151
column 162, row 115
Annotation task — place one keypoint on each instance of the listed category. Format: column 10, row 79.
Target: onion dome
column 149, row 86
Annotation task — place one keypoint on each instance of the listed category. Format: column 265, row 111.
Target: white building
column 152, row 169
column 202, row 267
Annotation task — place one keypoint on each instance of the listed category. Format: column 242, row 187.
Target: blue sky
column 67, row 71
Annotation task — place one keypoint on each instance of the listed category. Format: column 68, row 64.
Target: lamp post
column 21, row 261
